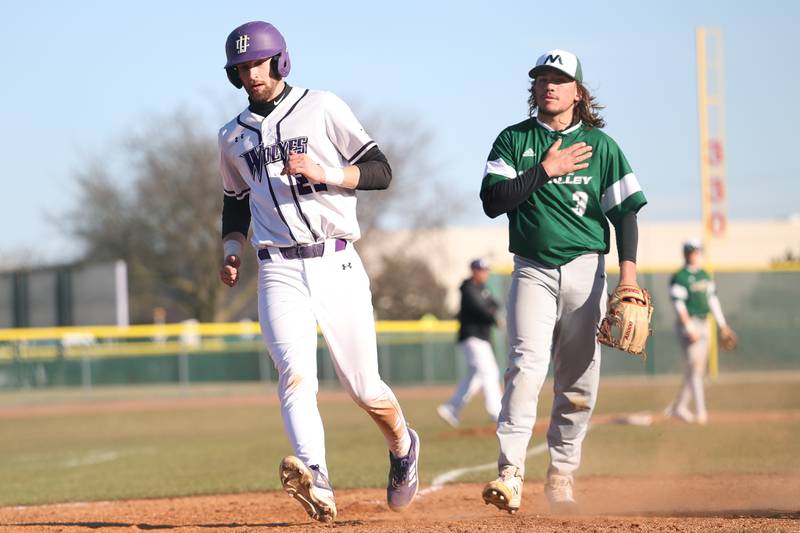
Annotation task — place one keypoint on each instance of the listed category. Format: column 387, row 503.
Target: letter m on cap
column 553, row 59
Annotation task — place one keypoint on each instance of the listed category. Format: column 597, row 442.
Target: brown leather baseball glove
column 727, row 339
column 626, row 325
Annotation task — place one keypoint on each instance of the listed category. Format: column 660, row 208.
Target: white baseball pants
column 482, row 374
column 695, row 363
column 553, row 314
column 294, row 295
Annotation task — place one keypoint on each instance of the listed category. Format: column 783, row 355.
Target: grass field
column 58, row 446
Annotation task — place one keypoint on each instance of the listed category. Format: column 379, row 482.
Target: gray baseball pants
column 553, row 314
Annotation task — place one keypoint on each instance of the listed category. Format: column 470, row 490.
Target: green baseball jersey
column 693, row 288
column 568, row 216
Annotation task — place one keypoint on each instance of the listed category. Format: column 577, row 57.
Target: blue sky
column 79, row 75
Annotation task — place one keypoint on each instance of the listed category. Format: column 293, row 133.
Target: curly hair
column 587, row 109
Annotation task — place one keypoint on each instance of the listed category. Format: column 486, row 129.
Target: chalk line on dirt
column 444, row 478
column 450, row 476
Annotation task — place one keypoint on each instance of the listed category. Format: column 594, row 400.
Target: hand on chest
column 266, row 161
column 268, row 157
column 536, row 152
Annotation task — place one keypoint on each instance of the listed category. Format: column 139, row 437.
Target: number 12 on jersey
column 304, row 185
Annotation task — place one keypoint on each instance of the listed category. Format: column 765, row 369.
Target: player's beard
column 265, row 92
column 260, row 95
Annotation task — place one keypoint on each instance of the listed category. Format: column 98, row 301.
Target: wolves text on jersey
column 260, row 156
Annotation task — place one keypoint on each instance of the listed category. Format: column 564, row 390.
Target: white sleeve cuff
column 716, row 310
column 334, row 175
column 231, row 247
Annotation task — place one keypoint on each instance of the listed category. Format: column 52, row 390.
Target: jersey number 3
column 581, row 199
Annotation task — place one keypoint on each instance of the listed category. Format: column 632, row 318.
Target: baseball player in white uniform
column 290, row 164
column 476, row 317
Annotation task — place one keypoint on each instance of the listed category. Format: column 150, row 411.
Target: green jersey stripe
column 678, row 292
column 500, row 168
column 619, row 191
column 632, row 203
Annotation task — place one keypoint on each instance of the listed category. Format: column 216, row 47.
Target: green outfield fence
column 408, row 352
column 760, row 304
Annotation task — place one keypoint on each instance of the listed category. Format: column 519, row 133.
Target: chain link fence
column 762, row 306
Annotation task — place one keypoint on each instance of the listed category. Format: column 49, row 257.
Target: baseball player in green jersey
column 694, row 294
column 559, row 179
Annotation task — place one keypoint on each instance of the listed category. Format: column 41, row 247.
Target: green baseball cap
column 561, row 60
column 691, row 245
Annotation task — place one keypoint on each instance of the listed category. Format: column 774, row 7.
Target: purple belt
column 303, row 251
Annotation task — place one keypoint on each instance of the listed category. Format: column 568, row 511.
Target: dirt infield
column 717, row 503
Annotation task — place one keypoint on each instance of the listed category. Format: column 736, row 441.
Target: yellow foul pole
column 712, row 156
column 702, row 109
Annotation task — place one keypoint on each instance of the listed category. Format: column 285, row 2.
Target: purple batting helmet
column 255, row 40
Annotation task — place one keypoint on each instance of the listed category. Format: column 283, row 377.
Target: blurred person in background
column 477, row 315
column 694, row 294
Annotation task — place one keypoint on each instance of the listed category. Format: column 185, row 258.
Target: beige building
column 747, row 244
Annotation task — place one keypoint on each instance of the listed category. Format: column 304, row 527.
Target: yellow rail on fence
column 75, row 334
column 783, row 266
column 107, row 350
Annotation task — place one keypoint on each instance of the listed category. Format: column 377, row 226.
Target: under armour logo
column 242, row 43
column 553, row 59
column 345, row 266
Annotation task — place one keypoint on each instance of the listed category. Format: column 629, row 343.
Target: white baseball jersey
column 290, row 210
column 331, row 290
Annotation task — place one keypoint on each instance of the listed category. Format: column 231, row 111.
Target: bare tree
column 165, row 224
column 417, row 197
column 403, row 286
column 407, row 289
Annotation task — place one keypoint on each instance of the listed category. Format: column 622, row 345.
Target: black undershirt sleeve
column 506, row 195
column 375, row 171
column 627, row 232
column 235, row 215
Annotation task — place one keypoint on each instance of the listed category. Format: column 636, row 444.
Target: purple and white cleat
column 403, row 476
column 310, row 487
